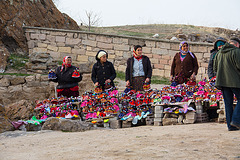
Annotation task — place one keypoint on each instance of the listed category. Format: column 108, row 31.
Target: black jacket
column 65, row 79
column 213, row 52
column 147, row 68
column 211, row 73
column 100, row 73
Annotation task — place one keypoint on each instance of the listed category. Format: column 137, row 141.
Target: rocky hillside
column 39, row 13
column 16, row 13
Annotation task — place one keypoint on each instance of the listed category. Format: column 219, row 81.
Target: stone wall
column 83, row 46
column 33, row 87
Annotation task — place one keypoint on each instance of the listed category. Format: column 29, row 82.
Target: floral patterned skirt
column 137, row 83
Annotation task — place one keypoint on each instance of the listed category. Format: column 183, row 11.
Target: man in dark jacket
column 103, row 72
column 227, row 68
column 235, row 41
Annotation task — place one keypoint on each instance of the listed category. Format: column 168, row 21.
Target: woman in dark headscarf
column 217, row 46
column 184, row 65
column 139, row 69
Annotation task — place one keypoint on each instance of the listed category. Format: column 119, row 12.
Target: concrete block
column 154, row 61
column 42, row 36
column 60, row 39
column 89, row 53
column 51, row 38
column 104, row 45
column 150, row 43
column 72, row 41
column 79, row 51
column 158, row 72
column 105, row 39
column 52, row 48
column 39, row 50
column 146, row 50
column 65, row 49
column 82, row 58
column 158, row 66
column 121, row 47
column 34, row 36
column 159, row 51
column 198, row 49
column 89, row 43
column 157, row 123
column 91, row 37
column 163, row 45
column 120, row 40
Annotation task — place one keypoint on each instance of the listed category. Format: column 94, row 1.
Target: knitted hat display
column 107, row 85
column 191, row 82
column 76, row 73
column 51, row 74
column 146, row 86
column 98, row 89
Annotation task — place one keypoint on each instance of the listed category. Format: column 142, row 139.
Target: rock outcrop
column 22, row 110
column 5, row 124
column 66, row 125
column 40, row 63
column 14, row 14
column 4, row 54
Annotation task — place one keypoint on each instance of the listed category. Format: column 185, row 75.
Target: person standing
column 103, row 72
column 139, row 70
column 67, row 77
column 184, row 64
column 235, row 41
column 227, row 68
column 217, row 45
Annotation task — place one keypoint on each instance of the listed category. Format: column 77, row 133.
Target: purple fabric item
column 18, row 124
column 180, row 48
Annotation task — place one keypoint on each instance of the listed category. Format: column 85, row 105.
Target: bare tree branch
column 92, row 19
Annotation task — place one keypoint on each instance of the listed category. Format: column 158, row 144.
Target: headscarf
column 100, row 54
column 134, row 52
column 64, row 62
column 220, row 43
column 183, row 52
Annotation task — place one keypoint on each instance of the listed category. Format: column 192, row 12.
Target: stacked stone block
column 158, row 115
column 221, row 112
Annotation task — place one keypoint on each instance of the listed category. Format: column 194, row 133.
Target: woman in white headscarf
column 103, row 72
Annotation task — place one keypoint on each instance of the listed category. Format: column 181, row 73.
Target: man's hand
column 127, row 83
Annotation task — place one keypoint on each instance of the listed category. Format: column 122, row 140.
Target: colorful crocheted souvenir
column 51, row 74
column 146, row 86
column 76, row 73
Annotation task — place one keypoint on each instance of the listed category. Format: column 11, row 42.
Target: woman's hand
column 147, row 80
column 127, row 83
column 193, row 76
column 96, row 84
column 107, row 81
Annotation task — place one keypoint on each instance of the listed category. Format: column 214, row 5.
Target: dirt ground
column 195, row 141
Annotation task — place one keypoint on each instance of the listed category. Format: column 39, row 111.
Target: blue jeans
column 231, row 115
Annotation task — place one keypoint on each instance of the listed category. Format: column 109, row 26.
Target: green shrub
column 17, row 61
column 154, row 80
column 121, row 75
column 160, row 80
column 16, row 74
